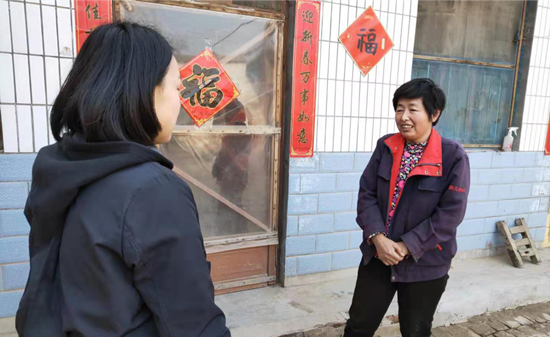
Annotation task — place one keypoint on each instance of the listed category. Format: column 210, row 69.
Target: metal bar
column 335, row 76
column 212, row 249
column 344, row 101
column 453, row 60
column 222, row 129
column 236, row 284
column 331, row 12
column 45, row 75
column 230, row 8
column 15, row 99
column 220, row 198
column 518, row 58
column 30, row 76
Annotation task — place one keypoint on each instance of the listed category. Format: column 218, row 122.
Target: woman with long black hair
column 115, row 244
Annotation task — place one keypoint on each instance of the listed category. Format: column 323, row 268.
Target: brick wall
column 15, row 176
column 322, row 234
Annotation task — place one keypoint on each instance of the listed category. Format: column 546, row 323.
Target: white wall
column 354, row 111
column 537, row 99
column 36, row 53
column 37, row 50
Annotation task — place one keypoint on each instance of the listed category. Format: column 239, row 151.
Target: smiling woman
column 418, row 106
column 412, row 197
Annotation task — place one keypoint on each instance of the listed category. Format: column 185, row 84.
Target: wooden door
column 232, row 161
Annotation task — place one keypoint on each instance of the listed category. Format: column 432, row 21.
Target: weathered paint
column 478, row 100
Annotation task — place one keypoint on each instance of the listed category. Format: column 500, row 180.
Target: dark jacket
column 432, row 205
column 115, row 247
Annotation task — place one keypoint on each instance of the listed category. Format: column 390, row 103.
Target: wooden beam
column 220, row 198
column 228, row 129
column 459, row 61
column 248, row 45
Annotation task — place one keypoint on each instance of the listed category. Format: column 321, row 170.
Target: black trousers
column 373, row 295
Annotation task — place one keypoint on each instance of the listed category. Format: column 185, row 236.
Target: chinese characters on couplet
column 306, row 42
column 90, row 14
column 94, row 10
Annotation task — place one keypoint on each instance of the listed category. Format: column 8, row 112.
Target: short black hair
column 433, row 97
column 109, row 92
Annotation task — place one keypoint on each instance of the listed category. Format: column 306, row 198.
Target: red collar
column 431, row 162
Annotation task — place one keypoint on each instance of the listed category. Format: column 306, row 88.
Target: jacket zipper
column 389, row 200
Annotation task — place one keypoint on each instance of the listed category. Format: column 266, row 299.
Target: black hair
column 433, row 97
column 109, row 92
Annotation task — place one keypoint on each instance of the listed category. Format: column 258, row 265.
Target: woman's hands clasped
column 389, row 251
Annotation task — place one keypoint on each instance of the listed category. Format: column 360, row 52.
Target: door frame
column 225, row 249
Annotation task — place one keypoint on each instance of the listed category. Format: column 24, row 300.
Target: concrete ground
column 475, row 287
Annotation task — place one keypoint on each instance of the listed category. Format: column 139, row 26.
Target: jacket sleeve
column 163, row 244
column 369, row 217
column 450, row 211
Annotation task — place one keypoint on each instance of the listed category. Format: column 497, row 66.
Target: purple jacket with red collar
column 430, row 208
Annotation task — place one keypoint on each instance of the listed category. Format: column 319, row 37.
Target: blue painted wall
column 15, row 176
column 322, row 234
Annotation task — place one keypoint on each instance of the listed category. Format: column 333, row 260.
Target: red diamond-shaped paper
column 205, row 87
column 366, row 41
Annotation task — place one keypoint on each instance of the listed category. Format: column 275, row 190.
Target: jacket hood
column 60, row 170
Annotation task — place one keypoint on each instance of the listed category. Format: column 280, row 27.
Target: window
column 469, row 48
column 229, row 162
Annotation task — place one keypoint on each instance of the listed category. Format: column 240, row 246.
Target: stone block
column 14, row 249
column 336, row 162
column 13, row 195
column 345, row 221
column 13, row 222
column 348, row 182
column 16, row 167
column 315, row 224
column 361, row 161
column 332, row 242
column 9, row 302
column 347, row 259
column 302, row 204
column 304, row 165
column 335, row 202
column 318, row 183
column 311, row 264
column 294, row 184
column 480, row 159
column 292, row 226
column 290, row 266
column 300, row 245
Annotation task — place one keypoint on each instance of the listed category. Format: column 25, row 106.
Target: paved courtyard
column 527, row 321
